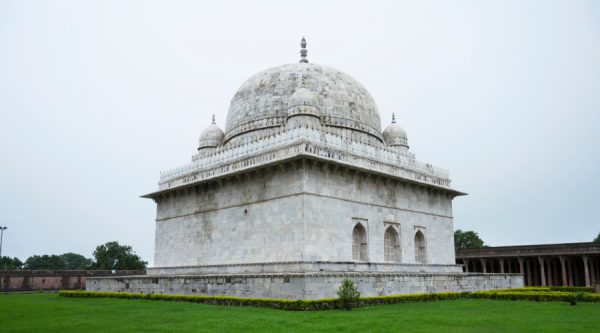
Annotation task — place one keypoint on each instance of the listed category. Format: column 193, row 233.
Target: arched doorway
column 420, row 248
column 391, row 245
column 359, row 243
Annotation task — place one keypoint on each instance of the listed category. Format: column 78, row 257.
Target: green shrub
column 572, row 298
column 348, row 294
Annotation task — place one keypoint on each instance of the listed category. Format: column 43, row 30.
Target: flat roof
column 589, row 248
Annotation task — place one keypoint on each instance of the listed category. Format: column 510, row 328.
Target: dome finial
column 393, row 118
column 213, row 119
column 303, row 51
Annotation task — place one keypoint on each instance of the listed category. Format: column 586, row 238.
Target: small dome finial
column 303, row 51
column 213, row 119
column 393, row 118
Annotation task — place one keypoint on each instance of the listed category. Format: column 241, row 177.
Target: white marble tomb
column 303, row 182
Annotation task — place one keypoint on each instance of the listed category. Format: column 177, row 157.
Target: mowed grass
column 47, row 312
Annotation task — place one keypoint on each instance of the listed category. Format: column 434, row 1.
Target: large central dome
column 261, row 103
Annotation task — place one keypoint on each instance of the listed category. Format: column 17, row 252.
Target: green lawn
column 47, row 312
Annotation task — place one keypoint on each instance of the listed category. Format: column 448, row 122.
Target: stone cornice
column 305, row 143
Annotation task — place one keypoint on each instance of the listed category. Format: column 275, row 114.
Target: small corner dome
column 303, row 97
column 211, row 137
column 395, row 135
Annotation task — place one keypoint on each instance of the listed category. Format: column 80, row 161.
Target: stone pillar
column 483, row 265
column 597, row 266
column 557, row 272
column 521, row 268
column 563, row 270
column 542, row 271
column 586, row 271
column 550, row 271
column 466, row 263
column 529, row 273
column 501, row 261
column 592, row 270
column 570, row 271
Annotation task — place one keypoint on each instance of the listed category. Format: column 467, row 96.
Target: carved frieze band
column 296, row 149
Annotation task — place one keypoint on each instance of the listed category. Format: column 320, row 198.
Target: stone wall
column 336, row 200
column 237, row 221
column 305, row 285
column 300, row 211
column 52, row 279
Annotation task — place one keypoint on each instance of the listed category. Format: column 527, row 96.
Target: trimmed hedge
column 529, row 294
column 405, row 298
column 275, row 303
column 539, row 294
column 554, row 288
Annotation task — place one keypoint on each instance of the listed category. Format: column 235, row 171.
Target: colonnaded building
column 302, row 190
column 567, row 264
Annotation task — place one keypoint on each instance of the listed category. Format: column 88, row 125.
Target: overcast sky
column 97, row 97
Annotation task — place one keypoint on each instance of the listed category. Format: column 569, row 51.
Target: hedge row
column 283, row 304
column 539, row 296
column 405, row 298
column 332, row 303
column 554, row 288
column 275, row 303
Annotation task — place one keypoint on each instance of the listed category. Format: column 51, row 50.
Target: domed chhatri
column 211, row 137
column 303, row 97
column 303, row 111
column 394, row 135
column 303, row 184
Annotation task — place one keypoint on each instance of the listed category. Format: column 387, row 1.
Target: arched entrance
column 420, row 248
column 359, row 243
column 391, row 245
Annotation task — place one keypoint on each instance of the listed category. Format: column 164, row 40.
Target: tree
column 112, row 255
column 44, row 262
column 467, row 240
column 597, row 239
column 7, row 263
column 64, row 261
column 76, row 261
column 348, row 294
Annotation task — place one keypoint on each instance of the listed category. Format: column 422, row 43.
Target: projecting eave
column 534, row 250
column 450, row 191
column 155, row 194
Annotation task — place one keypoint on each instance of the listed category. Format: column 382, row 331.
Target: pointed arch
column 391, row 245
column 359, row 243
column 420, row 248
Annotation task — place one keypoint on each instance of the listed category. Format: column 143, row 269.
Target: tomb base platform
column 304, row 285
column 305, row 267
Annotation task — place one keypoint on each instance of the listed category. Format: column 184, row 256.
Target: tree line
column 108, row 256
column 470, row 240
